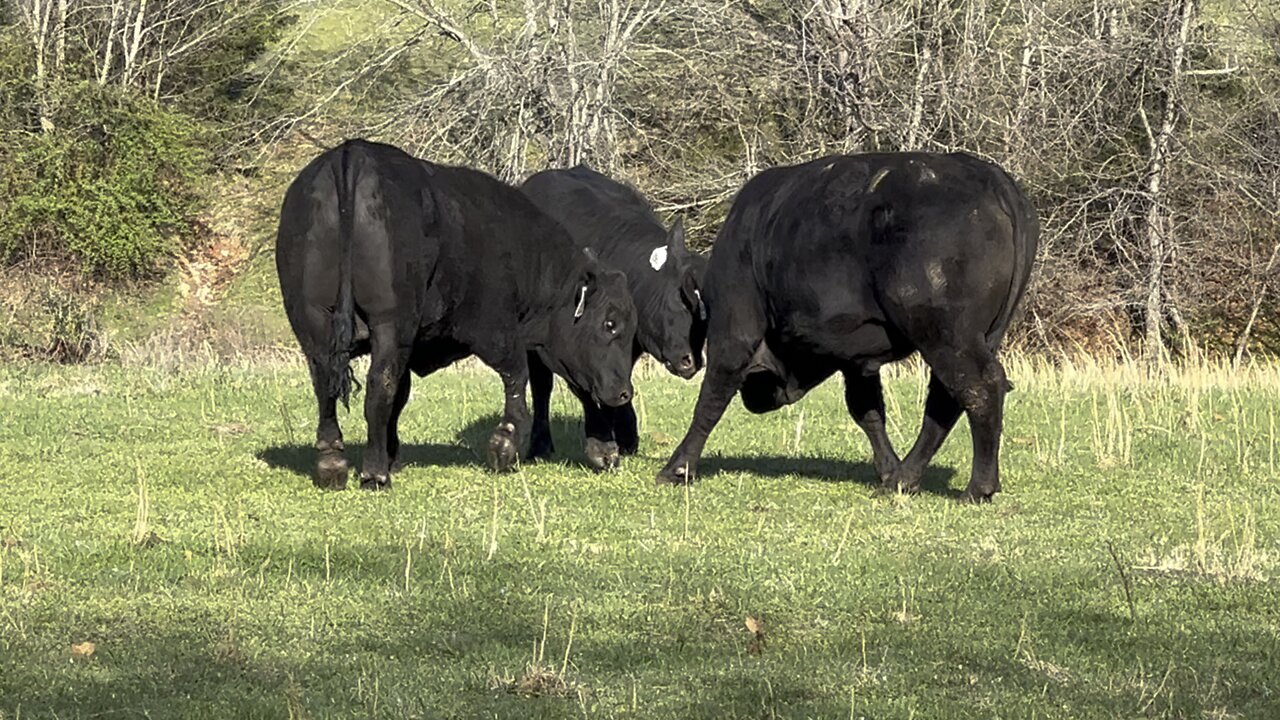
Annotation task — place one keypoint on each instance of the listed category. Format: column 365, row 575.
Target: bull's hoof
column 540, row 448
column 629, row 447
column 601, row 454
column 503, row 453
column 976, row 496
column 898, row 482
column 331, row 471
column 370, row 481
column 676, row 474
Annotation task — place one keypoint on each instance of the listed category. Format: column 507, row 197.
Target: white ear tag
column 658, row 257
column 582, row 303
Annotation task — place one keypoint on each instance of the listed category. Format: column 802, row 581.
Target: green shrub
column 49, row 318
column 112, row 186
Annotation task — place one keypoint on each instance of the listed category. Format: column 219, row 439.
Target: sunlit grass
column 161, row 512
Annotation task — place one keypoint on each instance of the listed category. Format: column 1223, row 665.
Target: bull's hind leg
column 541, row 382
column 864, row 397
column 331, row 463
column 387, row 370
column 980, row 385
column 393, row 426
column 940, row 414
column 971, row 380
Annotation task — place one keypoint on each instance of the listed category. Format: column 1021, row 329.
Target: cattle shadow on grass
column 301, row 459
column 468, row 450
column 566, row 434
column 936, row 480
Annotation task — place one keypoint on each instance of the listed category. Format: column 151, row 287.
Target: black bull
column 662, row 275
column 421, row 265
column 848, row 262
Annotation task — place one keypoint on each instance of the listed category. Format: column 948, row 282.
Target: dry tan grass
column 1077, row 372
column 1226, row 549
column 540, row 678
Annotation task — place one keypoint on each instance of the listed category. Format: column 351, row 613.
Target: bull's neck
column 648, row 300
column 553, row 276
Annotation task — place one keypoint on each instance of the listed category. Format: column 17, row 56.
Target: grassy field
column 163, row 554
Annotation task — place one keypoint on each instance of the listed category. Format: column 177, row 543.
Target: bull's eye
column 610, row 326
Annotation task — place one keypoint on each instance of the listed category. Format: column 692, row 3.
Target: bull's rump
column 852, row 255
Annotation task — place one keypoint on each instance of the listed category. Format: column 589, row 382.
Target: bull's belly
column 841, row 340
column 435, row 354
column 789, row 364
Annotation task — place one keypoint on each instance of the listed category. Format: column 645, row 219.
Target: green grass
column 166, row 517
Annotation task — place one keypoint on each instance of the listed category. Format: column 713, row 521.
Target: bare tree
column 1158, row 227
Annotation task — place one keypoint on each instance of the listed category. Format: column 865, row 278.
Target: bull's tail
column 1026, row 231
column 337, row 368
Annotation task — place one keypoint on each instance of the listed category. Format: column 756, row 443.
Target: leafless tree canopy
column 1147, row 131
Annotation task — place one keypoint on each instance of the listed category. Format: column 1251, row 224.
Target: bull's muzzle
column 686, row 367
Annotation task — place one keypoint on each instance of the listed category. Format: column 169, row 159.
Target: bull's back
column 601, row 213
column 849, row 250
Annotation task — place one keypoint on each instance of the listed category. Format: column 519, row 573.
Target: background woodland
column 145, row 145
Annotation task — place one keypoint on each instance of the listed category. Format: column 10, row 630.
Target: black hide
column 421, row 265
column 848, row 262
column 665, row 283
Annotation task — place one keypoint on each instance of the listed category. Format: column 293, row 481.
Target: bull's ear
column 689, row 288
column 586, row 279
column 675, row 239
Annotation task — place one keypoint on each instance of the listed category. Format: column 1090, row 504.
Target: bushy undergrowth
column 49, row 319
column 111, row 186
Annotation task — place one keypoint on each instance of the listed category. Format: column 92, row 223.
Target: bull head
column 678, row 252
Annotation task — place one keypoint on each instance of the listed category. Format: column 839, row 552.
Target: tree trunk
column 1157, row 222
column 36, row 13
column 108, row 57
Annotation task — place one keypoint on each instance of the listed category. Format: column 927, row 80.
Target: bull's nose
column 624, row 397
column 686, row 362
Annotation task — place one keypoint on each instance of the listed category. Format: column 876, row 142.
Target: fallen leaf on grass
column 756, row 627
column 232, row 428
column 83, row 650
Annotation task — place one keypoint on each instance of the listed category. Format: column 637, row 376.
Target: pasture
column 164, row 554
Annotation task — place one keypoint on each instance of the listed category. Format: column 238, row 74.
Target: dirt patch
column 538, row 680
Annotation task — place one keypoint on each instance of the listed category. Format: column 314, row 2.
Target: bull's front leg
column 723, row 378
column 507, row 437
column 541, row 383
column 597, row 424
column 626, row 431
